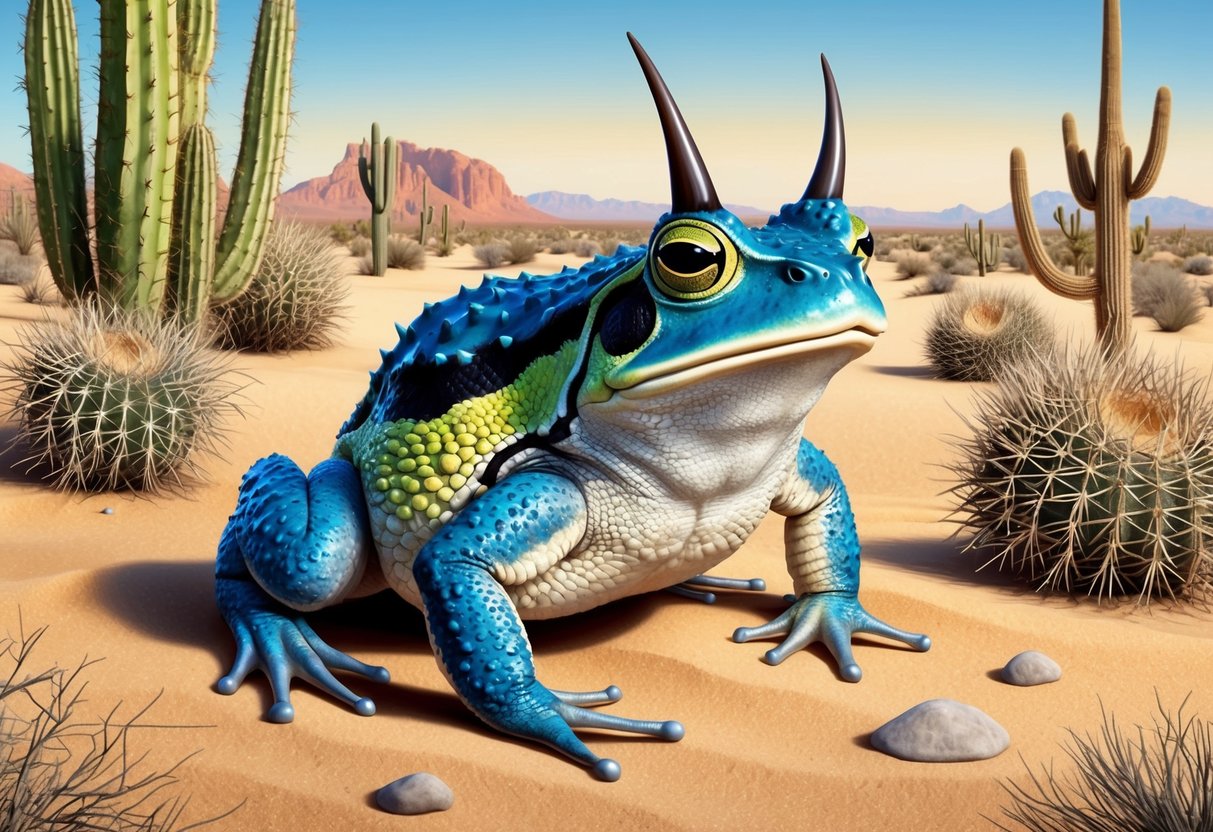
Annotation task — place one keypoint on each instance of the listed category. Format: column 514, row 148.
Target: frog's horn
column 831, row 169
column 691, row 188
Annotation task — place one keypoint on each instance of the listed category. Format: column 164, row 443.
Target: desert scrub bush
column 116, row 399
column 1093, row 475
column 586, row 248
column 913, row 264
column 974, row 334
column 938, row 283
column 404, row 253
column 521, row 249
column 491, row 255
column 18, row 269
column 60, row 774
column 20, row 224
column 944, row 258
column 1158, row 778
column 1154, row 281
column 1200, row 264
column 359, row 246
column 294, row 301
column 1015, row 259
column 40, row 290
column 963, row 265
column 1179, row 306
column 341, row 233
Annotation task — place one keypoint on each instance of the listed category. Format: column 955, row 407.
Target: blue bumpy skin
column 538, row 446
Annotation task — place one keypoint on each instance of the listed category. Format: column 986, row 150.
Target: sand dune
column 766, row 747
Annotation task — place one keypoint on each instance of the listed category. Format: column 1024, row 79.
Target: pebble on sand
column 1031, row 668
column 415, row 794
column 941, row 731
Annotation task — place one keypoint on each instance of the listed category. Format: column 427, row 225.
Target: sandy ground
column 766, row 747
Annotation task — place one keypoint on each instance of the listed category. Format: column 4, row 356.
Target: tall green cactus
column 425, row 216
column 378, row 173
column 154, row 162
column 1106, row 191
column 1078, row 241
column 1141, row 238
column 987, row 254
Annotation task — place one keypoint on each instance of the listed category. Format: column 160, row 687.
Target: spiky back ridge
column 481, row 340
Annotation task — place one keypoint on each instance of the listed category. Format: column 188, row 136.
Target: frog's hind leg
column 294, row 543
column 699, row 588
column 518, row 529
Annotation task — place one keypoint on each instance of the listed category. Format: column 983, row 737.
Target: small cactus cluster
column 1091, row 475
column 976, row 333
column 987, row 253
column 116, row 399
column 295, row 299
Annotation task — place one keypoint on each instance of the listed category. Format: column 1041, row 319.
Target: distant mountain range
column 584, row 207
column 477, row 192
column 1164, row 212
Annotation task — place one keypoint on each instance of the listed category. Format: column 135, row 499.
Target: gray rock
column 1031, row 668
column 415, row 794
column 941, row 731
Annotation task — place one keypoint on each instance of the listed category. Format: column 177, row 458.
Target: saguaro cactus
column 378, row 172
column 987, row 254
column 155, row 160
column 425, row 216
column 1106, row 191
column 1141, row 238
column 1077, row 240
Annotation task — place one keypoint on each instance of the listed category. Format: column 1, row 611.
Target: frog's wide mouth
column 858, row 338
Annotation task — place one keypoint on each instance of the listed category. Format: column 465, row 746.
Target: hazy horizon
column 935, row 94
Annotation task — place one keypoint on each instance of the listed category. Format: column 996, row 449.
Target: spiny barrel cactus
column 976, row 332
column 115, row 399
column 296, row 298
column 155, row 160
column 1096, row 476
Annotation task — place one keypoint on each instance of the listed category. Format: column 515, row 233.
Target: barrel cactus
column 976, row 332
column 296, row 298
column 1092, row 475
column 115, row 399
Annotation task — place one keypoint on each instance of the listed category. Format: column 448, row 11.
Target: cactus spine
column 1141, row 238
column 987, row 255
column 154, row 158
column 425, row 217
column 378, row 173
column 1105, row 191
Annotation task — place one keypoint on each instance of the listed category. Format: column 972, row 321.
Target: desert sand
column 766, row 747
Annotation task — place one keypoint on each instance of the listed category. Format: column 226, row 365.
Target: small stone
column 415, row 794
column 941, row 731
column 107, row 510
column 1031, row 667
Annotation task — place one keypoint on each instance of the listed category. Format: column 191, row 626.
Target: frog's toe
column 919, row 641
column 698, row 588
column 669, row 729
column 606, row 696
column 607, row 770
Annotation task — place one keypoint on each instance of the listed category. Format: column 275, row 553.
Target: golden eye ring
column 692, row 260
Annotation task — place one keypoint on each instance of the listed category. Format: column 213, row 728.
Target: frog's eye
column 865, row 244
column 693, row 260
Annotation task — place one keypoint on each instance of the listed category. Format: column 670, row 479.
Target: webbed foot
column 831, row 618
column 696, row 588
column 284, row 647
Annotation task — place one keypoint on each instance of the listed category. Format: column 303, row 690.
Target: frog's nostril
column 795, row 273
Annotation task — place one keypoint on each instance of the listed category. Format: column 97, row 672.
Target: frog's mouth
column 858, row 339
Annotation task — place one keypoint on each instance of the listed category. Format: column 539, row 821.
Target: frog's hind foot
column 698, row 588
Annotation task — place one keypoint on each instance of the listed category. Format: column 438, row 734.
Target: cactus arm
column 137, row 127
column 262, row 151
column 192, row 254
column 52, row 70
column 1037, row 258
column 196, row 44
column 1078, row 165
column 1151, row 166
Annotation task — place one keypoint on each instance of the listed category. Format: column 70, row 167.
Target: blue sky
column 935, row 93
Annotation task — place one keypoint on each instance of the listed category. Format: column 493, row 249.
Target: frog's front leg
column 823, row 559
column 295, row 543
column 518, row 529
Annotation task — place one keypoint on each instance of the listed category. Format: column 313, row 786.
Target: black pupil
column 685, row 258
column 867, row 245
